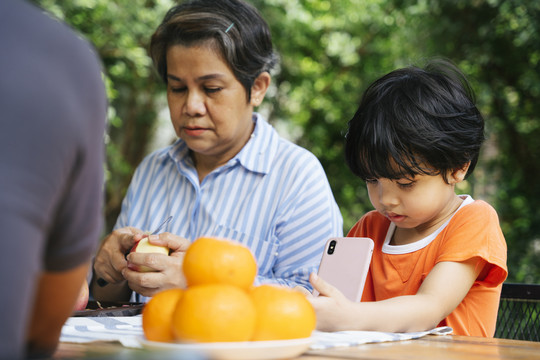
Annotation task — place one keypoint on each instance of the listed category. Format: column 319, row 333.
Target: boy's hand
column 324, row 288
column 331, row 306
column 302, row 290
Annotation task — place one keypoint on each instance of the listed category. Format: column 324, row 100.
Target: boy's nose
column 387, row 196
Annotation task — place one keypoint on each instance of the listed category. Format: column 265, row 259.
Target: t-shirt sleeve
column 77, row 222
column 52, row 149
column 475, row 232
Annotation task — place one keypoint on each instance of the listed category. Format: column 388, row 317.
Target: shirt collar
column 256, row 156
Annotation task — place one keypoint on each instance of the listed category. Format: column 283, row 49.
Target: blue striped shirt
column 273, row 197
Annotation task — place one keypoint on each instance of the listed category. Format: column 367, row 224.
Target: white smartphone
column 345, row 265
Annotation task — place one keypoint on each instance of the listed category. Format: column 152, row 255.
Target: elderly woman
column 229, row 174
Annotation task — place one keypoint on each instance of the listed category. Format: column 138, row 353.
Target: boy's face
column 421, row 204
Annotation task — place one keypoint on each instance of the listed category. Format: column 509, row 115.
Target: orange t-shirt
column 473, row 231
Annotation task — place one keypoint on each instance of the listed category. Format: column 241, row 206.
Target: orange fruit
column 282, row 313
column 214, row 313
column 157, row 315
column 211, row 260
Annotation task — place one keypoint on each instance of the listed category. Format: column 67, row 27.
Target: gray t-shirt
column 52, row 121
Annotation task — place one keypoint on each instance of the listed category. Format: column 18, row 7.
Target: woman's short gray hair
column 233, row 28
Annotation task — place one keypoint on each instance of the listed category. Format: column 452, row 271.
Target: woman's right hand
column 166, row 270
column 110, row 259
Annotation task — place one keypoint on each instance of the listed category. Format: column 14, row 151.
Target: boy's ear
column 459, row 174
column 259, row 88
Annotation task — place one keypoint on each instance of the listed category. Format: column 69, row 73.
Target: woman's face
column 208, row 105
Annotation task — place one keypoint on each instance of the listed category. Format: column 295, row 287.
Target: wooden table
column 437, row 347
column 429, row 347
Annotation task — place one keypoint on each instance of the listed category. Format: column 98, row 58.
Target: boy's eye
column 405, row 185
column 371, row 181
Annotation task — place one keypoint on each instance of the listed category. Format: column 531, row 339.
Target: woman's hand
column 167, row 269
column 110, row 259
column 333, row 309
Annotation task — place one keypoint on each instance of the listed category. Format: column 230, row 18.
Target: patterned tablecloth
column 128, row 330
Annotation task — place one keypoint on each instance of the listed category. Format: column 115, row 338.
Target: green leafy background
column 330, row 51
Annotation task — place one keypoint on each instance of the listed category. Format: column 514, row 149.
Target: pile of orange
column 220, row 303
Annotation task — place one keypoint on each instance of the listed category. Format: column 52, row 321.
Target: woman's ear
column 259, row 88
column 458, row 175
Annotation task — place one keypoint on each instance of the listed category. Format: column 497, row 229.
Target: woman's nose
column 194, row 105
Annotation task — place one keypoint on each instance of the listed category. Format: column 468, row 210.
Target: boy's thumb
column 324, row 288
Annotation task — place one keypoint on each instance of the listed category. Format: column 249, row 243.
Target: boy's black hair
column 415, row 121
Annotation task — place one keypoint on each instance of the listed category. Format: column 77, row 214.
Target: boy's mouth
column 395, row 217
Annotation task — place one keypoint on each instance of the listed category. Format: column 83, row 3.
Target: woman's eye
column 211, row 90
column 178, row 89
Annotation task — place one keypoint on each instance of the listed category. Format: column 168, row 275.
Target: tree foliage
column 498, row 43
column 330, row 51
column 120, row 32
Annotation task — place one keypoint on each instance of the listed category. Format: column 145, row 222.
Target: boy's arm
column 441, row 292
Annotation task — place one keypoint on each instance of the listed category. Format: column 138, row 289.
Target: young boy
column 439, row 258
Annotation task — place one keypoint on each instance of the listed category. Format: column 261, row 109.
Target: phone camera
column 331, row 247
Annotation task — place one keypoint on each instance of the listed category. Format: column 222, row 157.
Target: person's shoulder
column 283, row 148
column 299, row 159
column 162, row 154
column 476, row 215
column 478, row 208
column 367, row 223
column 288, row 147
column 153, row 164
column 41, row 49
column 374, row 217
column 44, row 45
column 40, row 28
column 284, row 145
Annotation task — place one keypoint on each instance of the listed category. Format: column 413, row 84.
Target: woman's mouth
column 194, row 131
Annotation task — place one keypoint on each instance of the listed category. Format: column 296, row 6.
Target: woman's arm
column 441, row 292
column 307, row 218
